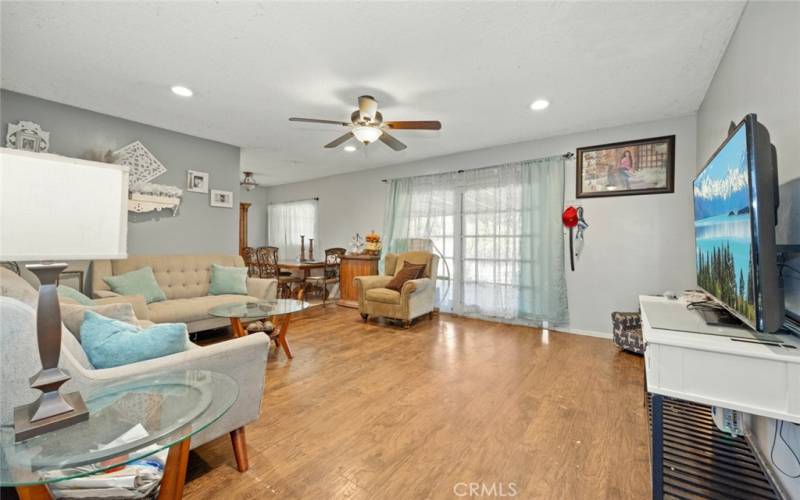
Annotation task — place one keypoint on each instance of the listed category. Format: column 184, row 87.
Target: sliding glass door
column 499, row 233
column 491, row 239
column 434, row 215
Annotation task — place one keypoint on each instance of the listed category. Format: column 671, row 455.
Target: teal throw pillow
column 110, row 342
column 228, row 280
column 139, row 282
column 66, row 292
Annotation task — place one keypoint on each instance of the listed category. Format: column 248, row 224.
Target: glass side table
column 239, row 312
column 171, row 407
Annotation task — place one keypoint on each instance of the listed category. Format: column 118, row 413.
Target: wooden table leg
column 237, row 328
column 302, row 287
column 239, row 442
column 175, row 471
column 38, row 492
column 282, row 335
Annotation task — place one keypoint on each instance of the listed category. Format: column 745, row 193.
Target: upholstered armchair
column 415, row 299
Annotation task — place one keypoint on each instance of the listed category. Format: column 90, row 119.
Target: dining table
column 304, row 266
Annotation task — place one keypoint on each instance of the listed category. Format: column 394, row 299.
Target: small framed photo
column 222, row 199
column 645, row 166
column 197, row 182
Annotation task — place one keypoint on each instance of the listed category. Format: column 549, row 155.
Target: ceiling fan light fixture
column 249, row 182
column 367, row 134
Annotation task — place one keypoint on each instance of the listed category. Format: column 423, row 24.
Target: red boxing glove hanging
column 570, row 217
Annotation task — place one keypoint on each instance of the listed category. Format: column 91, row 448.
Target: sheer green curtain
column 499, row 232
column 544, row 296
column 397, row 215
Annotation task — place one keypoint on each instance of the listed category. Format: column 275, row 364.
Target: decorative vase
column 302, row 248
column 311, row 249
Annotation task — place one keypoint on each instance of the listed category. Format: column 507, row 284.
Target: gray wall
column 198, row 228
column 634, row 245
column 256, row 216
column 760, row 73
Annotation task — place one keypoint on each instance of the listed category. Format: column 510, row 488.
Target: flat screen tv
column 735, row 210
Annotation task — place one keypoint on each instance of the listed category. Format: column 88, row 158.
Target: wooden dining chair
column 251, row 261
column 330, row 275
column 268, row 266
column 266, row 269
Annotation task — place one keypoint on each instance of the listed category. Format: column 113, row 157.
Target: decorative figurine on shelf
column 373, row 245
column 311, row 249
column 356, row 246
column 302, row 248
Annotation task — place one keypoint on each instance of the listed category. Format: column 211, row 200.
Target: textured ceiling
column 474, row 66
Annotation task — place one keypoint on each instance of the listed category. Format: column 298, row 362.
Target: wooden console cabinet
column 352, row 266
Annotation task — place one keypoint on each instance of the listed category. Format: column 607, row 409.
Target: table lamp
column 53, row 207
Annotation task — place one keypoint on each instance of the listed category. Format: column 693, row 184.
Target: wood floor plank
column 376, row 411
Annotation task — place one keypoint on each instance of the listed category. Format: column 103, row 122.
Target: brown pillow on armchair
column 407, row 273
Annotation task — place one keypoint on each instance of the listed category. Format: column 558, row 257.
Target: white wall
column 635, row 244
column 760, row 73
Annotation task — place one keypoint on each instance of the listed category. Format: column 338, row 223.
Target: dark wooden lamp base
column 25, row 428
column 52, row 410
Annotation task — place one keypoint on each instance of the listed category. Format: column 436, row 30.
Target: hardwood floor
column 379, row 412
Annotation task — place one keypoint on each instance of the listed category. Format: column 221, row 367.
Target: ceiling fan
column 367, row 126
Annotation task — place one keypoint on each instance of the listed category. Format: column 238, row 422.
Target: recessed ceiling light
column 182, row 91
column 540, row 104
column 349, row 149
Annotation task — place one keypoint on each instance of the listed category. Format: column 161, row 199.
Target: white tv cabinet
column 760, row 379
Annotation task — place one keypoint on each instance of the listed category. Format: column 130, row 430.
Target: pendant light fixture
column 249, row 182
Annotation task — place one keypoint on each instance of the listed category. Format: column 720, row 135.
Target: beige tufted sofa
column 185, row 280
column 415, row 299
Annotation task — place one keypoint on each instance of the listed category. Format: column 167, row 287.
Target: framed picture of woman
column 646, row 166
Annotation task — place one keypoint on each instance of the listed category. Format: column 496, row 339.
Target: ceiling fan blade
column 418, row 125
column 392, row 142
column 314, row 120
column 340, row 140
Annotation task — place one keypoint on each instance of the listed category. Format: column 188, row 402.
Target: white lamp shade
column 58, row 208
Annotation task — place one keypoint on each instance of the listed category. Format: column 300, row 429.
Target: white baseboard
column 545, row 326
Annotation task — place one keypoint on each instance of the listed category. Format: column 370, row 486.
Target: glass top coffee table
column 156, row 411
column 239, row 312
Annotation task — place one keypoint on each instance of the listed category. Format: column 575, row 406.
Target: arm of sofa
column 243, row 359
column 262, row 288
column 137, row 301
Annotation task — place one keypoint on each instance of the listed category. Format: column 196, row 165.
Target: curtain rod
column 568, row 155
column 316, row 198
